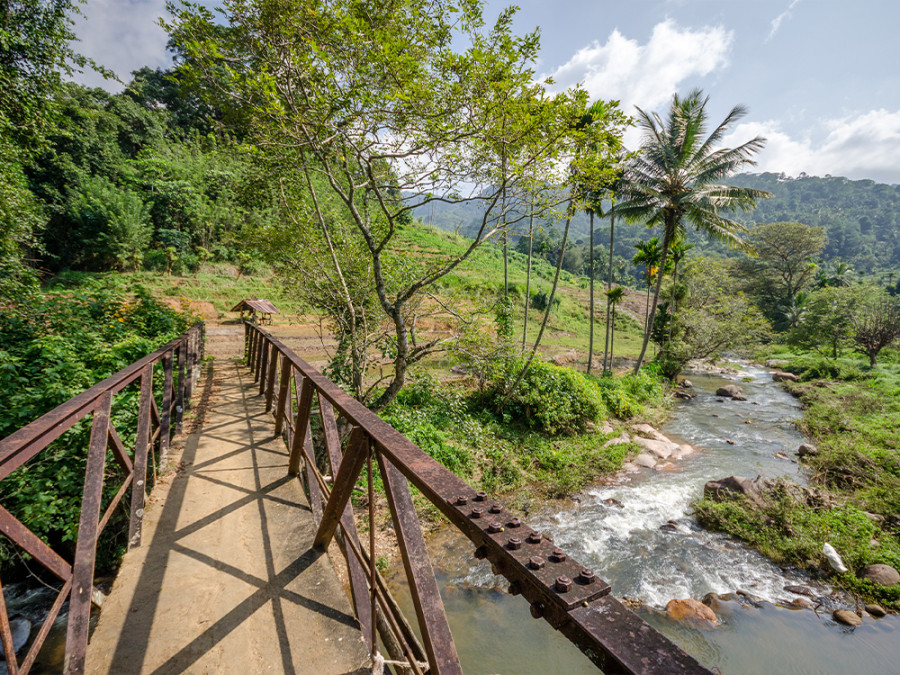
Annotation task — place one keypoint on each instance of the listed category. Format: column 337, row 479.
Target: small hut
column 260, row 311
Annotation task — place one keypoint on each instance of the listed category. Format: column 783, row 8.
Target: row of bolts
column 563, row 584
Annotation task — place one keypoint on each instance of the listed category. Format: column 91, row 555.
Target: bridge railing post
column 141, row 451
column 350, row 468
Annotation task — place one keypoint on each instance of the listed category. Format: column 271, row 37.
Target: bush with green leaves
column 72, row 338
column 549, row 398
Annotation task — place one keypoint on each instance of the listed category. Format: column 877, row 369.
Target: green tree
column 613, row 297
column 648, row 256
column 875, row 318
column 388, row 107
column 826, row 325
column 35, row 53
column 782, row 268
column 675, row 178
column 715, row 317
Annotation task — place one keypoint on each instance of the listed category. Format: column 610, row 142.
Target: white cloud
column 646, row 75
column 776, row 22
column 123, row 36
column 866, row 145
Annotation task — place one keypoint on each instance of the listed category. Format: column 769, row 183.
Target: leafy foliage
column 72, row 339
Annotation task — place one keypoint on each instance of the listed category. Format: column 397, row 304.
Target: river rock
column 693, row 612
column 684, row 394
column 731, row 391
column 807, row 450
column 776, row 363
column 661, row 449
column 780, row 376
column 612, row 501
column 687, row 384
column 801, row 603
column 21, row 630
column 801, row 590
column 883, row 575
column 833, row 558
column 846, row 617
column 565, row 358
column 645, row 460
column 648, row 431
column 876, row 610
column 618, row 440
column 733, row 486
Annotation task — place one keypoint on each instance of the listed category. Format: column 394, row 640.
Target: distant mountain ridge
column 861, row 217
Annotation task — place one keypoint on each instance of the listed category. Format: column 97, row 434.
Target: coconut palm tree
column 613, row 298
column 649, row 254
column 675, row 178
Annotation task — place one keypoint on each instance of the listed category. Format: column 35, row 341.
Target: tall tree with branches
column 387, row 107
column 675, row 178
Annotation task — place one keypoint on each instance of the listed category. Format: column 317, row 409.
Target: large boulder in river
column 781, row 376
column 731, row 391
column 736, row 486
column 846, row 617
column 883, row 575
column 662, row 449
column 693, row 612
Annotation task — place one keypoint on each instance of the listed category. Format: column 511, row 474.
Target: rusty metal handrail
column 560, row 590
column 180, row 360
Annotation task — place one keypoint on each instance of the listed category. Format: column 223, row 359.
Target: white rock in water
column 833, row 558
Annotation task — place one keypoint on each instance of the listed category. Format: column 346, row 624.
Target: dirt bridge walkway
column 226, row 580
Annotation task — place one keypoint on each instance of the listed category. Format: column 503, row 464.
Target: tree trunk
column 609, row 272
column 540, row 335
column 667, row 237
column 591, row 275
column 528, row 275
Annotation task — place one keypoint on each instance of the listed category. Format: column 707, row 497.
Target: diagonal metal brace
column 348, row 473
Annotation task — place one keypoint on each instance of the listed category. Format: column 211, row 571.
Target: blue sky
column 821, row 77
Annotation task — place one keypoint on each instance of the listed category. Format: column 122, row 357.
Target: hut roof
column 255, row 305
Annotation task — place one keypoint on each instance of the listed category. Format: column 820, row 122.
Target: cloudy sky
column 820, row 77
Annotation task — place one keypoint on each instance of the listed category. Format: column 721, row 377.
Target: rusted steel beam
column 309, row 472
column 44, row 631
column 351, row 467
column 270, row 380
column 179, row 396
column 264, row 367
column 114, row 502
column 165, row 416
column 443, row 489
column 284, row 393
column 119, row 452
column 426, row 597
column 22, row 445
column 355, row 571
column 304, row 405
column 33, row 545
column 6, row 638
column 86, row 546
column 191, row 364
column 141, row 450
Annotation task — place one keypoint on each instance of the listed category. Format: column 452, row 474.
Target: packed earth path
column 227, row 580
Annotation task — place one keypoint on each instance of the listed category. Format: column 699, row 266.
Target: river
column 638, row 534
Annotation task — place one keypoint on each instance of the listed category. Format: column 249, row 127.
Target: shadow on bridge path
column 226, row 580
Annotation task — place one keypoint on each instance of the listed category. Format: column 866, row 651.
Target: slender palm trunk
column 647, row 308
column 528, row 275
column 667, row 237
column 540, row 335
column 591, row 275
column 612, row 337
column 609, row 273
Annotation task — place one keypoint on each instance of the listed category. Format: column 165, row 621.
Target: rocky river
column 638, row 533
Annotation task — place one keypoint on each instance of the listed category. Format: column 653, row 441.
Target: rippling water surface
column 640, row 536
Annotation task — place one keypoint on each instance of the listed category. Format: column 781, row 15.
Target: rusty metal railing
column 560, row 590
column 179, row 360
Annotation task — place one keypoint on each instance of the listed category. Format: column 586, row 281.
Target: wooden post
column 141, row 450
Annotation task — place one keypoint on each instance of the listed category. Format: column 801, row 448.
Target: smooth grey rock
column 780, row 376
column 883, row 575
column 807, row 450
column 731, row 391
column 876, row 610
column 645, row 460
column 733, row 486
column 846, row 617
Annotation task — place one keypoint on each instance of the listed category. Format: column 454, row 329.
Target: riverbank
column 852, row 415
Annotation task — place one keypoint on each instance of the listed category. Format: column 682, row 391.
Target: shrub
column 549, row 398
